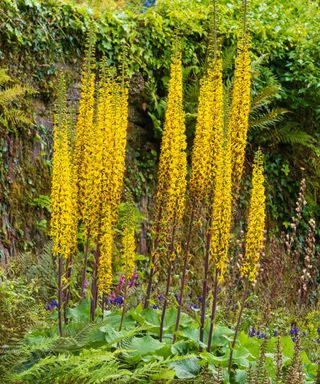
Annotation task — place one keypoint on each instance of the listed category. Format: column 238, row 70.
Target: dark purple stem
column 205, row 283
column 94, row 286
column 153, row 259
column 60, row 268
column 244, row 297
column 165, row 300
column 184, row 273
column 68, row 290
column 124, row 301
column 170, row 250
column 213, row 310
column 85, row 263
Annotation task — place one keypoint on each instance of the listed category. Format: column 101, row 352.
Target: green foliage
column 87, row 351
column 11, row 99
column 22, row 169
column 18, row 307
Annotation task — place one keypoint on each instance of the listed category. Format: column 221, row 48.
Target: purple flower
column 200, row 299
column 318, row 330
column 194, row 307
column 112, row 297
column 258, row 332
column 52, row 305
column 275, row 333
column 85, row 284
column 155, row 306
column 262, row 336
column 304, row 334
column 133, row 280
column 315, row 361
column 252, row 332
column 160, row 297
column 177, row 297
column 294, row 331
column 118, row 300
column 121, row 283
column 294, row 339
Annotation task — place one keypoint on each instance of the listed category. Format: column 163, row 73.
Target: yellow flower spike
column 112, row 118
column 85, row 132
column 170, row 198
column 222, row 212
column 256, row 221
column 240, row 109
column 63, row 224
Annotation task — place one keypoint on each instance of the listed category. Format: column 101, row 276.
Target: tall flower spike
column 63, row 225
column 113, row 119
column 172, row 172
column 208, row 141
column 95, row 171
column 202, row 145
column 240, row 109
column 256, row 221
column 222, row 212
column 84, row 129
column 171, row 176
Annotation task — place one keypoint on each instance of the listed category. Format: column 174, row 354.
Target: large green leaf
column 142, row 346
column 187, row 368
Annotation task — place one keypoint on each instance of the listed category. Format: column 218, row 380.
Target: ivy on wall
column 37, row 37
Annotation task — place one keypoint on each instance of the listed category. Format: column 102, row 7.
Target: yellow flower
column 170, row 198
column 222, row 212
column 256, row 221
column 85, row 133
column 240, row 109
column 63, row 223
column 112, row 118
column 208, row 139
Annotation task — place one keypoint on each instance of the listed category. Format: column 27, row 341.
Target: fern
column 11, row 115
column 41, row 268
column 4, row 77
column 291, row 134
column 266, row 120
column 90, row 366
column 94, row 366
column 265, row 96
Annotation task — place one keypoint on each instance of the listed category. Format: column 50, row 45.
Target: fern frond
column 265, row 96
column 90, row 366
column 267, row 120
column 4, row 77
column 294, row 135
column 17, row 117
column 9, row 95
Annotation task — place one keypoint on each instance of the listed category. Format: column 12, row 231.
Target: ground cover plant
column 217, row 294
